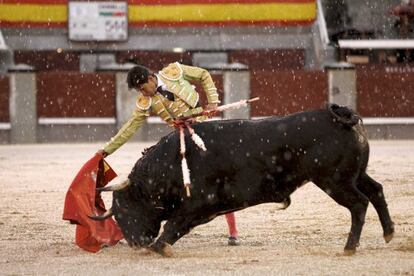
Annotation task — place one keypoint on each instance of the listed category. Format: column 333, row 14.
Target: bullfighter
column 170, row 95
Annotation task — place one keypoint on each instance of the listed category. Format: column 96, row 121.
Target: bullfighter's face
column 150, row 87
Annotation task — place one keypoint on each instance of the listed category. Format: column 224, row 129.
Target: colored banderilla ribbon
column 185, row 123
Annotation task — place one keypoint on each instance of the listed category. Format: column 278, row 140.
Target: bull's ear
column 102, row 217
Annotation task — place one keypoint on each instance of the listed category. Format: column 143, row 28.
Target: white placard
column 98, row 21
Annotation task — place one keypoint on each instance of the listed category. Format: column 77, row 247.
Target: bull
column 248, row 162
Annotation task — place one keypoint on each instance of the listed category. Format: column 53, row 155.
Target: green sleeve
column 126, row 132
column 201, row 75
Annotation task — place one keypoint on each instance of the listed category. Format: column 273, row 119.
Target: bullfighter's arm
column 127, row 130
column 201, row 75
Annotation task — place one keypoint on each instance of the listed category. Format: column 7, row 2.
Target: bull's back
column 305, row 143
column 253, row 153
column 300, row 131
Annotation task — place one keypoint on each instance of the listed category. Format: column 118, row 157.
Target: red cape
column 82, row 200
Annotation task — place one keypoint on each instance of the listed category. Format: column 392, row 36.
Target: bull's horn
column 104, row 216
column 115, row 187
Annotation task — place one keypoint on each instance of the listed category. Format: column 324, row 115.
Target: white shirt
column 161, row 83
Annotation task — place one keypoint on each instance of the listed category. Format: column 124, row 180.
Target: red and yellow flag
column 149, row 13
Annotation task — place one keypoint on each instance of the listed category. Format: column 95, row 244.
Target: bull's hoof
column 233, row 241
column 167, row 250
column 349, row 252
column 389, row 233
column 147, row 252
column 164, row 249
column 388, row 237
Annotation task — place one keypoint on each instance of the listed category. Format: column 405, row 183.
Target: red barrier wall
column 285, row 92
column 48, row 60
column 381, row 93
column 271, row 59
column 4, row 99
column 69, row 94
column 155, row 60
column 385, row 91
column 266, row 60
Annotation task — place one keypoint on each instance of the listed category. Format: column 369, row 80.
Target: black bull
column 249, row 162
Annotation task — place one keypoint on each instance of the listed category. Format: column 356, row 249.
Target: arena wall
column 48, row 60
column 265, row 60
column 285, row 92
column 4, row 110
column 385, row 91
column 4, row 99
column 269, row 59
column 75, row 106
column 73, row 94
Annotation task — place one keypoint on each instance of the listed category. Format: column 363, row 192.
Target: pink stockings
column 231, row 222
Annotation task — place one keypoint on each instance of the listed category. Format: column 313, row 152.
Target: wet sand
column 305, row 239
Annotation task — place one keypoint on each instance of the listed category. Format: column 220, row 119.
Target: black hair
column 137, row 75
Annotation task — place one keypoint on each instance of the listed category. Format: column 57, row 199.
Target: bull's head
column 137, row 221
column 139, row 224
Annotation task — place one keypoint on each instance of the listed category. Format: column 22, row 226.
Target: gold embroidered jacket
column 176, row 77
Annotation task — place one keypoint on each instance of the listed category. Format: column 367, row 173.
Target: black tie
column 165, row 93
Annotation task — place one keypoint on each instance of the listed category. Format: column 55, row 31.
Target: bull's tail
column 344, row 115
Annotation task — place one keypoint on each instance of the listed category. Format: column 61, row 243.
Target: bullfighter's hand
column 210, row 107
column 211, row 110
column 177, row 123
column 183, row 122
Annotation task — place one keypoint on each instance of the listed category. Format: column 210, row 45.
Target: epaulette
column 143, row 102
column 172, row 72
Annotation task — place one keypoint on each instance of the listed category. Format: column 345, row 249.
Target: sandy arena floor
column 306, row 239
